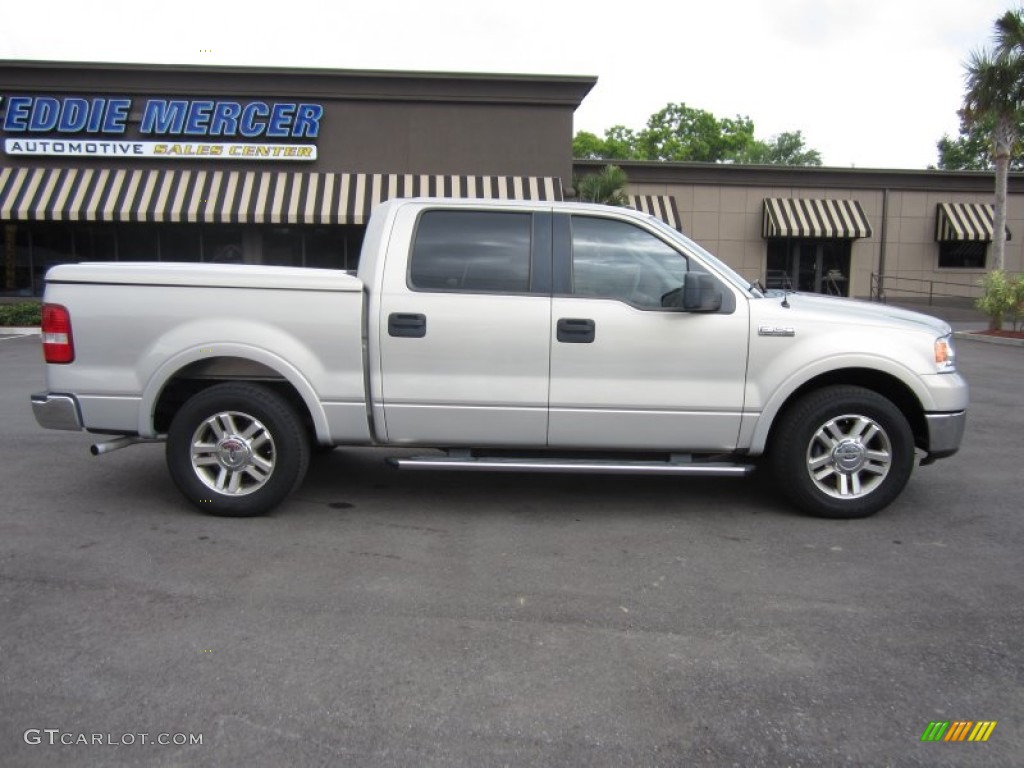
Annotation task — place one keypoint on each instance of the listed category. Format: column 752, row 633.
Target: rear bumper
column 54, row 411
column 945, row 432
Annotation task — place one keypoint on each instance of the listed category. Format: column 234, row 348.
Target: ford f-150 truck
column 512, row 336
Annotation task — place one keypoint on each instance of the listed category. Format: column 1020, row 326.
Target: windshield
column 713, row 261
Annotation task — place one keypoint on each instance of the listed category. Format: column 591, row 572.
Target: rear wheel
column 237, row 450
column 842, row 452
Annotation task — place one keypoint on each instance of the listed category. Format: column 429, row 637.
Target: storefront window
column 223, row 245
column 17, row 273
column 327, row 248
column 282, row 247
column 27, row 250
column 962, row 254
column 137, row 242
column 51, row 245
column 180, row 242
column 814, row 266
column 94, row 242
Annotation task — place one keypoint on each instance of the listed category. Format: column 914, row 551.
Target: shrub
column 997, row 300
column 1017, row 303
column 24, row 313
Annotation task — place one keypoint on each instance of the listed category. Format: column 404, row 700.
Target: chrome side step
column 580, row 466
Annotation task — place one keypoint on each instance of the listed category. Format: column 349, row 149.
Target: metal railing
column 882, row 285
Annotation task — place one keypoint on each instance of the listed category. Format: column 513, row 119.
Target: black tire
column 319, row 449
column 842, row 452
column 257, row 450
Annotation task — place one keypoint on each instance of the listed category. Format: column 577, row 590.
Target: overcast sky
column 871, row 83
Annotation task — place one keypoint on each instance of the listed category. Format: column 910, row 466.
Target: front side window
column 616, row 260
column 472, row 252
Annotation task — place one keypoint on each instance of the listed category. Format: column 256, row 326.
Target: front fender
column 831, row 365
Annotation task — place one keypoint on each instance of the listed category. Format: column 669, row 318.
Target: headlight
column 945, row 355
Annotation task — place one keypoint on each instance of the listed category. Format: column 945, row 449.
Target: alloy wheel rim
column 233, row 453
column 849, row 457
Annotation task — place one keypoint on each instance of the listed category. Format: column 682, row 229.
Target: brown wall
column 373, row 122
column 721, row 207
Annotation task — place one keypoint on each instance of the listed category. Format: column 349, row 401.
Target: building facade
column 849, row 232
column 283, row 166
column 274, row 166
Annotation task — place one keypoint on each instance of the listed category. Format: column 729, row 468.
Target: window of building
column 94, row 242
column 138, row 242
column 17, row 274
column 333, row 247
column 809, row 265
column 223, row 245
column 31, row 248
column 963, row 254
column 472, row 251
column 180, row 242
column 282, row 247
column 51, row 245
column 616, row 260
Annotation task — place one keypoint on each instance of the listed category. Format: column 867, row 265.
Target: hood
column 832, row 309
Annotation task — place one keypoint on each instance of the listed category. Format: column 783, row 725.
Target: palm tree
column 995, row 91
column 608, row 187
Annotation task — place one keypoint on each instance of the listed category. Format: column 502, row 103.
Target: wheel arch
column 195, row 370
column 880, row 382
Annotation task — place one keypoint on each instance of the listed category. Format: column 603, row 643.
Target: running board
column 579, row 466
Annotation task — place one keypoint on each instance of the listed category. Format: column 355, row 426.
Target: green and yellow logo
column 958, row 730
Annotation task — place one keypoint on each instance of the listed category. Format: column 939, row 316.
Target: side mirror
column 701, row 293
column 673, row 299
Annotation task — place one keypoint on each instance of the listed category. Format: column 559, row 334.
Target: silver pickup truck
column 512, row 336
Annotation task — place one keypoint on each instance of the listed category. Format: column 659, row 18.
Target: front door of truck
column 626, row 371
column 465, row 330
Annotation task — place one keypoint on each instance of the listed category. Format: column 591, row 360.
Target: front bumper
column 56, row 411
column 945, row 432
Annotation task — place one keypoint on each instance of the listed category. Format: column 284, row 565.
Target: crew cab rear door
column 465, row 328
column 626, row 370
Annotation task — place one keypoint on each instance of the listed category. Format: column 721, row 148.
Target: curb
column 13, row 330
column 989, row 339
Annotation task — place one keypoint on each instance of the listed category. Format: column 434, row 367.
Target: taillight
column 58, row 346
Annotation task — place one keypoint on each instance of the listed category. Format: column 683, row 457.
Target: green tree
column 588, row 146
column 995, row 96
column 971, row 150
column 619, row 143
column 681, row 133
column 786, row 148
column 608, row 187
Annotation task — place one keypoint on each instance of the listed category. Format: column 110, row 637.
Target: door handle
column 407, row 325
column 573, row 330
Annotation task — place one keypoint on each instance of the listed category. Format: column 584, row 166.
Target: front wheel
column 842, row 452
column 237, row 450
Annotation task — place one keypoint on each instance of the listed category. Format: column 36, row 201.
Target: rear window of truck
column 471, row 252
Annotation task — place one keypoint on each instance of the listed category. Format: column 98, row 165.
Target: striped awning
column 965, row 222
column 660, row 206
column 236, row 197
column 799, row 217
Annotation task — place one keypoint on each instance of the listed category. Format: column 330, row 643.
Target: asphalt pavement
column 381, row 618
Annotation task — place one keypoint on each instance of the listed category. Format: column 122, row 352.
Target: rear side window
column 472, row 252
